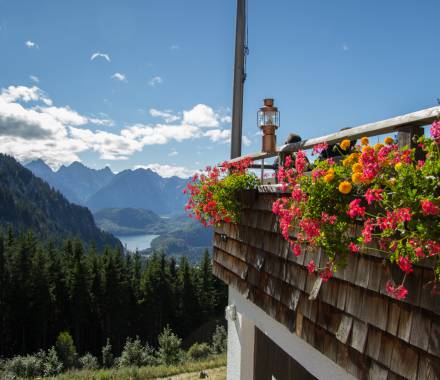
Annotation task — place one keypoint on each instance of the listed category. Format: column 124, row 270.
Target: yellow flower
column 346, row 161
column 331, row 170
column 357, row 168
column 398, row 166
column 364, row 141
column 345, row 144
column 392, row 181
column 378, row 146
column 345, row 187
column 388, row 140
column 329, row 177
column 356, row 178
column 366, row 148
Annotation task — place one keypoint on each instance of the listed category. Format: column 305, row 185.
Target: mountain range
column 29, row 203
column 100, row 189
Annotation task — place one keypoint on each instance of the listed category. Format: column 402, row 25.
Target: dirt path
column 213, row 374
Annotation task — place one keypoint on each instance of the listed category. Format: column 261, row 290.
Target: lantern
column 268, row 118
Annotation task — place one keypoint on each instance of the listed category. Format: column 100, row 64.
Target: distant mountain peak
column 38, row 164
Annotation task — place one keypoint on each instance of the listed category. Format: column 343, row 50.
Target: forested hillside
column 97, row 295
column 27, row 202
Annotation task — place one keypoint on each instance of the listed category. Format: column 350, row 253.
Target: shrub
column 25, row 366
column 135, row 354
column 199, row 351
column 88, row 361
column 170, row 351
column 51, row 363
column 219, row 340
column 213, row 196
column 66, row 350
column 107, row 355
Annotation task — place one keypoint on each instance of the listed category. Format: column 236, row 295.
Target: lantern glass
column 268, row 116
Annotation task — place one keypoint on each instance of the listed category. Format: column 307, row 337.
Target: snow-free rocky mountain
column 99, row 189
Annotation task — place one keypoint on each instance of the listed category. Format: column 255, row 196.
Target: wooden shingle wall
column 352, row 321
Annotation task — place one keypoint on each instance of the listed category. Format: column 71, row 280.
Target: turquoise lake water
column 139, row 242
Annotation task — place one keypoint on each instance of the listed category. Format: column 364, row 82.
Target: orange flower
column 357, row 168
column 329, row 177
column 378, row 146
column 388, row 140
column 345, row 187
column 345, row 144
column 356, row 178
column 366, row 148
column 364, row 141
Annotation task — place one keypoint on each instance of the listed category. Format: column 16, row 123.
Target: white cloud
column 100, row 55
column 219, row 135
column 25, row 94
column 174, row 47
column 120, row 77
column 154, row 81
column 226, row 119
column 32, row 127
column 246, row 141
column 166, row 115
column 34, row 78
column 345, row 47
column 31, row 44
column 223, row 136
column 168, row 171
column 201, row 116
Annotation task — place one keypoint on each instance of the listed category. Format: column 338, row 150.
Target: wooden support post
column 407, row 136
column 239, row 78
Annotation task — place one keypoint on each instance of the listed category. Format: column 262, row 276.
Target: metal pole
column 239, row 78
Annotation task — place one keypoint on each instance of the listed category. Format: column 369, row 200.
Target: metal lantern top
column 268, row 115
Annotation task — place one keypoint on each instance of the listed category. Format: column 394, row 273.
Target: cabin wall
column 241, row 334
column 353, row 321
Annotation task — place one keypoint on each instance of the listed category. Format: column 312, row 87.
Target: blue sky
column 130, row 83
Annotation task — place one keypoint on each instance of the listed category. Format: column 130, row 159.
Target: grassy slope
column 144, row 373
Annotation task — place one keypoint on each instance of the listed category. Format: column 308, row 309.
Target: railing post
column 407, row 136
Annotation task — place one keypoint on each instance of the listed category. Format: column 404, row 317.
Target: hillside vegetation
column 28, row 203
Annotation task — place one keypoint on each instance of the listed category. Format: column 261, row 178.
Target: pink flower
column 429, row 207
column 300, row 162
column 419, row 252
column 326, row 218
column 311, row 267
column 355, row 210
column 404, row 264
column 368, row 230
column 319, row 148
column 435, row 131
column 373, row 195
column 297, row 194
column 296, row 248
column 317, row 173
column 326, row 274
column 398, row 292
column 288, row 161
column 353, row 247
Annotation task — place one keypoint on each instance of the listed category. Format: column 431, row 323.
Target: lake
column 139, row 242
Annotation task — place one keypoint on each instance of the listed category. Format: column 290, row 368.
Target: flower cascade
column 213, row 194
column 376, row 198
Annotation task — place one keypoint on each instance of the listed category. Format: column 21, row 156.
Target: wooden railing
column 407, row 126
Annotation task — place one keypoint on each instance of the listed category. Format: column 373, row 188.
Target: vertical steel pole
column 239, row 78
